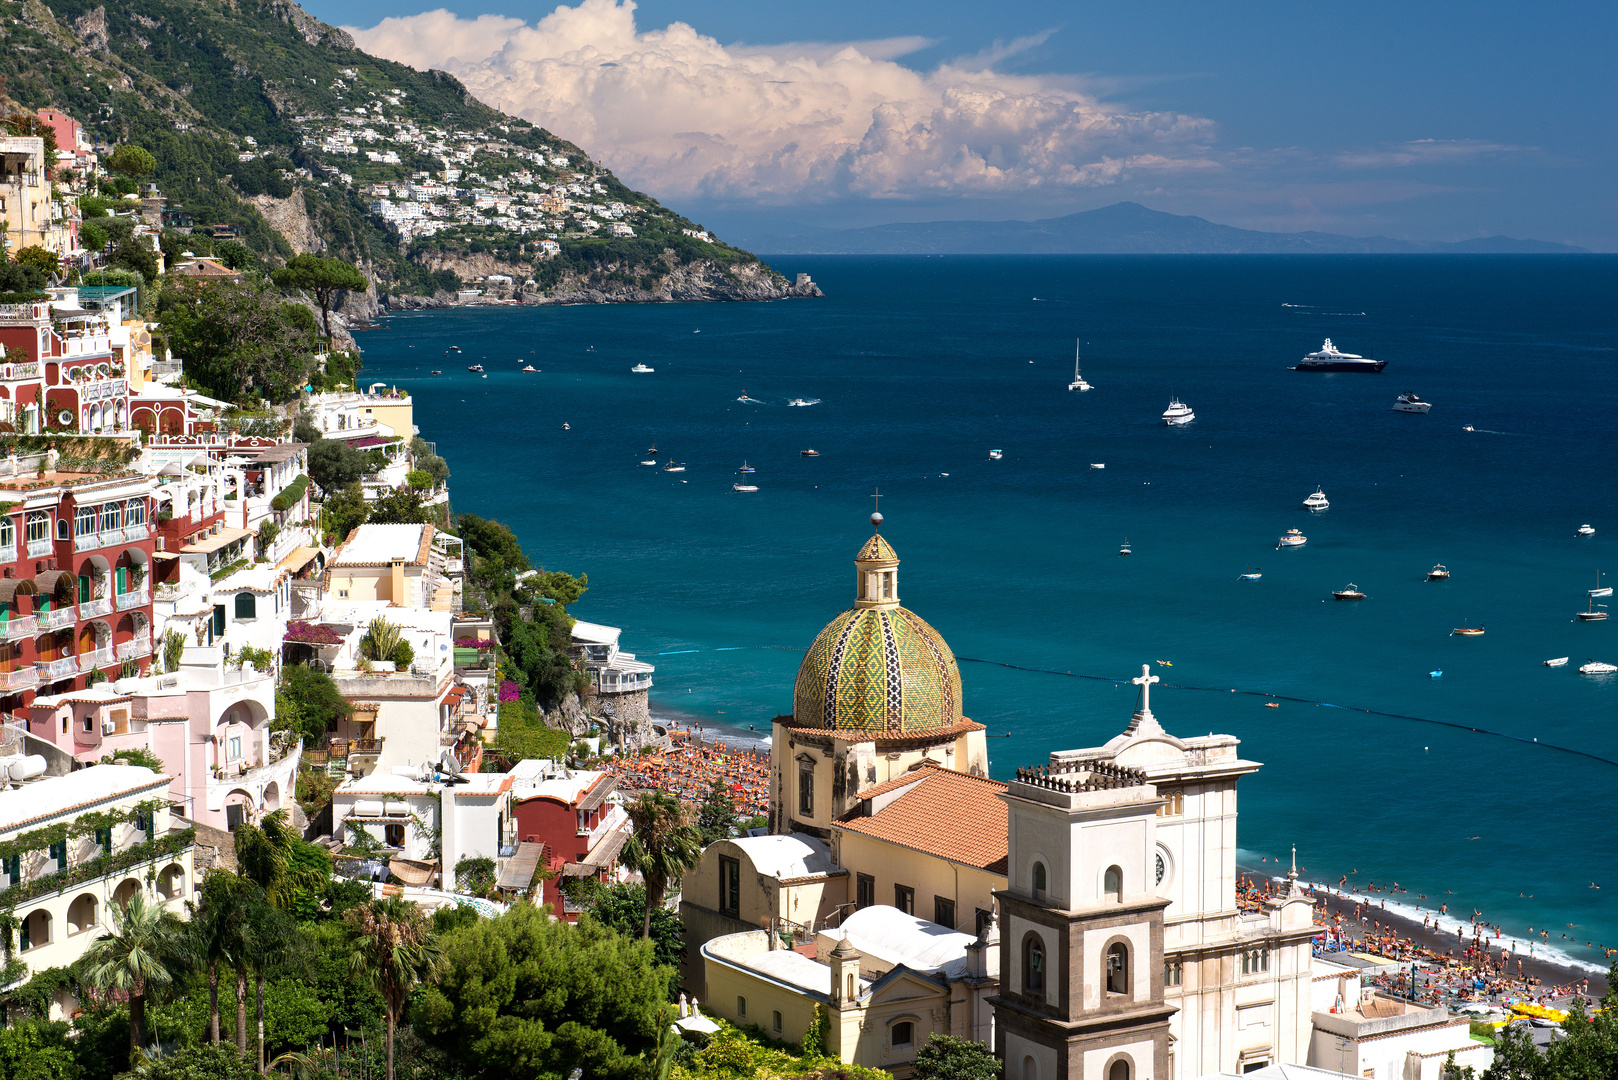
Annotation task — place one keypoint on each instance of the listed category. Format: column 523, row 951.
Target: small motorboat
column 1600, row 589
column 744, row 487
column 483, row 376
column 1253, row 574
column 674, row 466
column 1272, row 704
column 566, row 426
column 995, row 455
column 1587, row 530
column 1436, row 673
column 1292, row 538
column 1597, row 667
column 650, row 461
column 1123, row 548
column 1467, row 631
column 811, row 452
column 1098, row 465
column 477, row 368
column 1593, row 612
column 1560, row 661
column 1439, row 572
column 530, row 369
column 1317, row 501
column 642, row 369
column 438, row 373
column 1178, row 413
column 1348, row 592
column 1411, row 403
column 455, row 348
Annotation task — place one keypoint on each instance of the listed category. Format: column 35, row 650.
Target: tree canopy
column 324, row 277
column 132, row 161
column 237, row 337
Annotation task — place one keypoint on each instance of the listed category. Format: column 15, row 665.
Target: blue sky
column 1423, row 121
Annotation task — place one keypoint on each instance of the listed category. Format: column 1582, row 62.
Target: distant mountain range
column 1124, row 228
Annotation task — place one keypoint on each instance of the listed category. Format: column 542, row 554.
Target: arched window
column 903, row 1033
column 1039, row 878
column 1118, row 968
column 1113, row 885
column 1118, row 1070
column 61, row 529
column 1033, row 964
column 246, row 605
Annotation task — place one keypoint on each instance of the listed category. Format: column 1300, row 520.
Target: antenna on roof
column 449, row 764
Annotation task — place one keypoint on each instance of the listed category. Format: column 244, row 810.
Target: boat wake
column 752, row 400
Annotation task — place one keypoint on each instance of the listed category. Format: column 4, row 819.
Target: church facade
column 1119, row 949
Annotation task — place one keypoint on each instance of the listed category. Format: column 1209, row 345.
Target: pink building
column 209, row 726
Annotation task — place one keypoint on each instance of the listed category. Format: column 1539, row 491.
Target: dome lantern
column 876, row 582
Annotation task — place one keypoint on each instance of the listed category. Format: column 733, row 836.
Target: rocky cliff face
column 289, row 218
column 701, row 280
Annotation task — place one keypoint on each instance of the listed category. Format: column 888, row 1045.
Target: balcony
column 19, row 372
column 169, row 592
column 137, row 598
column 96, row 658
column 134, row 647
column 38, row 549
column 54, row 670
column 57, row 617
column 20, row 627
column 135, row 533
column 19, row 679
column 8, row 554
column 364, row 747
column 101, row 605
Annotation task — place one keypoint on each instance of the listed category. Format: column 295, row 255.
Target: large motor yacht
column 1178, row 413
column 1330, row 359
column 1411, row 403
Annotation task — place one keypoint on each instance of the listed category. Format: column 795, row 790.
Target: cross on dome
column 1145, row 682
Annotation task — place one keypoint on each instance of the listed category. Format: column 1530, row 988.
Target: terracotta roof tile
column 945, row 813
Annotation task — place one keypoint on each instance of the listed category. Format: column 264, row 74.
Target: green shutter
column 84, row 589
column 123, row 579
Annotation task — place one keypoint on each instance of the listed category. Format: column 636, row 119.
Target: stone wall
column 629, row 719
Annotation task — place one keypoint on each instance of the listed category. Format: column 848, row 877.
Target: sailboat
column 1078, row 382
column 1590, row 614
column 1600, row 589
column 1124, row 548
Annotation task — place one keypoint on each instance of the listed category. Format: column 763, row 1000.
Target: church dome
column 878, row 667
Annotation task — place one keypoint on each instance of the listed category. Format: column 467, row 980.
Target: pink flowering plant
column 473, row 643
column 312, row 633
column 509, row 691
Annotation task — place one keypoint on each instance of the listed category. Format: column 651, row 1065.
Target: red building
column 570, row 813
column 58, row 372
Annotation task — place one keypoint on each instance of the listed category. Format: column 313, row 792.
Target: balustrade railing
column 39, row 548
column 20, row 626
column 52, row 670
column 96, row 658
column 19, row 679
column 101, row 605
column 133, row 599
column 57, row 617
column 134, row 647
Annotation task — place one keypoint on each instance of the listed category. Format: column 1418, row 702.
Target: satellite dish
column 448, row 764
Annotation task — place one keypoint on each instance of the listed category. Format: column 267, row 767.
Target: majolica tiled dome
column 878, row 667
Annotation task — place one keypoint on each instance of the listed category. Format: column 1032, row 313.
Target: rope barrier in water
column 1217, row 690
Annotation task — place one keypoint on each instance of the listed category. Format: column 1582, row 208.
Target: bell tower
column 1081, row 928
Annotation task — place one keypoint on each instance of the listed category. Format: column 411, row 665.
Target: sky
column 1416, row 120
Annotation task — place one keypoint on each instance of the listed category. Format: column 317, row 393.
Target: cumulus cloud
column 679, row 113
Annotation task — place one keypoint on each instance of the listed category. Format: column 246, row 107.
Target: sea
column 1460, row 769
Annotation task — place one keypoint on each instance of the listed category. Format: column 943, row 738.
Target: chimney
column 398, row 593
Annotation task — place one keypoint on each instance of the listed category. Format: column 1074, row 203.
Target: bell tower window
column 1113, row 885
column 1118, row 968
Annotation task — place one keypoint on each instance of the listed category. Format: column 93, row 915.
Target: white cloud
column 1425, row 152
column 676, row 112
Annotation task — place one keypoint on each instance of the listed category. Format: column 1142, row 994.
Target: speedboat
column 1411, row 403
column 1468, row 427
column 651, row 461
column 1349, row 592
column 801, row 403
column 1439, row 572
column 1600, row 589
column 1124, row 547
column 811, row 452
column 1590, row 614
column 438, row 373
column 642, row 369
column 476, row 367
column 1436, row 673
column 995, row 455
column 1098, row 465
column 1078, row 382
column 1596, row 667
column 1560, row 661
column 744, row 487
column 1292, row 538
column 674, row 466
column 1467, row 631
column 1587, row 530
column 1253, row 574
column 566, row 426
column 530, row 369
column 1178, row 413
column 1329, row 358
column 1317, row 501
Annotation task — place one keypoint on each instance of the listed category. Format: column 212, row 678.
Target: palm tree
column 136, row 958
column 218, row 935
column 394, row 950
column 665, row 844
column 266, row 857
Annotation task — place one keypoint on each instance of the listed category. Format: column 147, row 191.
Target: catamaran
column 1078, row 382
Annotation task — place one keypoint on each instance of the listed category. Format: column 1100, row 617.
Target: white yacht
column 1411, row 403
column 802, row 403
column 1317, row 501
column 1078, row 382
column 1329, row 358
column 1596, row 667
column 642, row 369
column 1587, row 530
column 674, row 466
column 1292, row 538
column 1178, row 413
column 1560, row 661
column 744, row 487
column 995, row 455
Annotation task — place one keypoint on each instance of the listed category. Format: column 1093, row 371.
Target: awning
column 171, row 469
column 10, row 587
column 50, row 581
column 297, row 560
column 222, row 539
column 604, row 854
column 598, row 794
column 412, row 871
column 518, row 871
column 165, row 554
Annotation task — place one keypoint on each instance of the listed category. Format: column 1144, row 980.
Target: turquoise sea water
column 923, row 365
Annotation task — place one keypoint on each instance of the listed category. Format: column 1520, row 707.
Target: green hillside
column 255, row 98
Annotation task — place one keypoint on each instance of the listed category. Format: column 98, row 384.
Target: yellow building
column 32, row 217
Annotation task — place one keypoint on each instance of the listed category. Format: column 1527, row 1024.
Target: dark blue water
column 923, row 365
